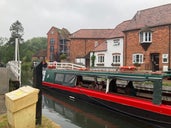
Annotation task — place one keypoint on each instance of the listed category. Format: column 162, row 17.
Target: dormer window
column 145, row 37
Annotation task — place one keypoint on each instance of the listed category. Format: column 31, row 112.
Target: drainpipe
column 125, row 49
column 85, row 52
column 85, row 47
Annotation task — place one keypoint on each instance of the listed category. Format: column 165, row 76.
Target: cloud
column 38, row 16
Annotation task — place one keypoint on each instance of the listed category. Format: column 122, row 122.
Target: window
column 146, row 37
column 116, row 42
column 59, row 78
column 165, row 58
column 51, row 57
column 138, row 58
column 70, row 79
column 51, row 49
column 52, row 41
column 116, row 58
column 63, row 46
column 80, row 61
column 101, row 58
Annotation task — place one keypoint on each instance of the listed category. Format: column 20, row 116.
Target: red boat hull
column 132, row 106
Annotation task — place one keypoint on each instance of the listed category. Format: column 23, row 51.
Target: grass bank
column 46, row 123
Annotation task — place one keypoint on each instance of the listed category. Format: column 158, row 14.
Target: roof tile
column 155, row 16
column 118, row 31
column 101, row 47
column 92, row 33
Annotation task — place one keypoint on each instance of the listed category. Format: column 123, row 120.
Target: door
column 155, row 61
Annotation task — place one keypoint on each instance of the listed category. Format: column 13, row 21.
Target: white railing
column 65, row 65
column 105, row 69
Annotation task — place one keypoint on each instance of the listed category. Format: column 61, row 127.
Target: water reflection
column 78, row 114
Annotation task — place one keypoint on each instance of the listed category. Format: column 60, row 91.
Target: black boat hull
column 156, row 119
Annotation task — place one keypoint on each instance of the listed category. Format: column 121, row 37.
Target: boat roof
column 134, row 76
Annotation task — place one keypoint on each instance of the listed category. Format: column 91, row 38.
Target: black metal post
column 37, row 83
column 169, row 50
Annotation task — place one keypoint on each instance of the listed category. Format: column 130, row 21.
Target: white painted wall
column 112, row 47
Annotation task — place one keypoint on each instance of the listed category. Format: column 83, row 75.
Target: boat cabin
column 140, row 95
column 146, row 86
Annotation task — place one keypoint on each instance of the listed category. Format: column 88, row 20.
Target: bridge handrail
column 65, row 65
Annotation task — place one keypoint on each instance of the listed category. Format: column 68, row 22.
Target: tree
column 3, row 40
column 93, row 57
column 17, row 31
column 63, row 57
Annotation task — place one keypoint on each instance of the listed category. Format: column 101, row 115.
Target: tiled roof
column 63, row 33
column 151, row 17
column 92, row 33
column 118, row 31
column 101, row 47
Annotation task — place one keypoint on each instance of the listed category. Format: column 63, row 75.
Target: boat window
column 88, row 78
column 69, row 79
column 92, row 82
column 135, row 88
column 59, row 78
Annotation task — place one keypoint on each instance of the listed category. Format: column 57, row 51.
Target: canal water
column 78, row 114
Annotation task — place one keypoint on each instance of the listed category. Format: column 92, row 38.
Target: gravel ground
column 2, row 104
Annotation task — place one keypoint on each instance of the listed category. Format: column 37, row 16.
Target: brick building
column 85, row 40
column 110, row 52
column 148, row 39
column 57, row 43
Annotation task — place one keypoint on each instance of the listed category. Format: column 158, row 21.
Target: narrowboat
column 140, row 95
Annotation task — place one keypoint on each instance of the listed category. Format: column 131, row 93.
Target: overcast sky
column 38, row 16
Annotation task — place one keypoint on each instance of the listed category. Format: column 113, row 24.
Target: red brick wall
column 160, row 40
column 55, row 37
column 81, row 47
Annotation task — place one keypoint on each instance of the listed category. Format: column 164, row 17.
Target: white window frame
column 101, row 58
column 145, row 37
column 164, row 58
column 116, row 42
column 116, row 58
column 80, row 61
column 137, row 58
